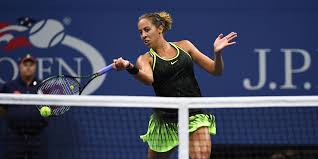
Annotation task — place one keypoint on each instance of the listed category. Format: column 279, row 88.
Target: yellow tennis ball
column 45, row 111
column 71, row 87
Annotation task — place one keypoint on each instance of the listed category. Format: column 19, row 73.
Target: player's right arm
column 144, row 62
column 145, row 74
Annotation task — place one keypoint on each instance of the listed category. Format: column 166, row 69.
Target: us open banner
column 275, row 55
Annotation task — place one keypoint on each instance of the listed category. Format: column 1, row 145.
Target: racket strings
column 60, row 85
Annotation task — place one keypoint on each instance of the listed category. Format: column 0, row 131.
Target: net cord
column 160, row 102
column 181, row 103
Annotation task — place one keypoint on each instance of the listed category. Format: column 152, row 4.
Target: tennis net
column 271, row 127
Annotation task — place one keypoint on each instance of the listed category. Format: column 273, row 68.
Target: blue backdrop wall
column 276, row 54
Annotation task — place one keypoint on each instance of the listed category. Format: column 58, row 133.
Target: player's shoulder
column 184, row 44
column 145, row 57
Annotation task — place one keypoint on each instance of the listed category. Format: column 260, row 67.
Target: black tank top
column 174, row 78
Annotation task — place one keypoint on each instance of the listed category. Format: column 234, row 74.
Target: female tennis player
column 168, row 67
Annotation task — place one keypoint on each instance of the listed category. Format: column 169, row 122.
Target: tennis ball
column 71, row 87
column 45, row 111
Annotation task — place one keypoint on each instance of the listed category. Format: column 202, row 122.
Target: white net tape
column 161, row 102
column 183, row 104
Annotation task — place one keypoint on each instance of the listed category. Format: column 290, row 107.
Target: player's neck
column 162, row 47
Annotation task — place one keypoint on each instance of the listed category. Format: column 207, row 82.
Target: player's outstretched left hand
column 223, row 41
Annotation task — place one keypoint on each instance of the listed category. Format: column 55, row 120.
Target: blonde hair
column 159, row 19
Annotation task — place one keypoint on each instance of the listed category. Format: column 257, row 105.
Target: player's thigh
column 200, row 144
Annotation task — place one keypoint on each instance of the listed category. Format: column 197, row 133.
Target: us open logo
column 46, row 34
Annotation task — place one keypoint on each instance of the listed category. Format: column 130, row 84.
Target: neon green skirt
column 162, row 137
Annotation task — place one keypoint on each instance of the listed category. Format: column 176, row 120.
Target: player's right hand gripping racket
column 66, row 85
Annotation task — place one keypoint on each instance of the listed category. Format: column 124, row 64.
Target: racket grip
column 105, row 69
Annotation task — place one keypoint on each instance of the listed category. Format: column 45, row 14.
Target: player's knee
column 202, row 153
column 200, row 156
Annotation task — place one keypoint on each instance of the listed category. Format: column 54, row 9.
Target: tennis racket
column 66, row 85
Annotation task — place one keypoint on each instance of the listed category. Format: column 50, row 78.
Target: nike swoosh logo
column 173, row 62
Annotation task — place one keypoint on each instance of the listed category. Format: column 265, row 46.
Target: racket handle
column 105, row 69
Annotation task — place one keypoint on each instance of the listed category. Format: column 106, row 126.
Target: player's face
column 27, row 69
column 149, row 33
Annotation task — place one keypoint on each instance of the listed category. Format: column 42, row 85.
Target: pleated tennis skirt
column 163, row 136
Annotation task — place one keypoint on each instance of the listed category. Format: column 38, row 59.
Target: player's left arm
column 213, row 66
